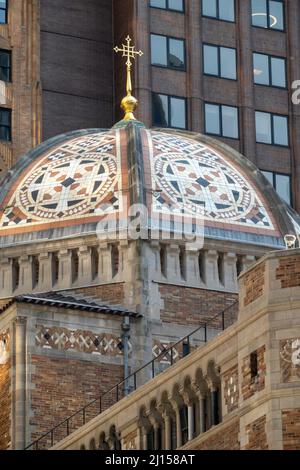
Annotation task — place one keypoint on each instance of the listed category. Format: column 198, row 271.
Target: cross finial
column 129, row 103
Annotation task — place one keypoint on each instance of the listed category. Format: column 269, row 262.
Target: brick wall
column 288, row 271
column 5, row 407
column 226, row 439
column 189, row 306
column 257, row 437
column 291, row 429
column 254, row 283
column 110, row 293
column 63, row 386
column 252, row 385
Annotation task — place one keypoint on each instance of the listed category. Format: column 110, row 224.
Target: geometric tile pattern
column 68, row 183
column 231, row 389
column 57, row 338
column 290, row 360
column 158, row 348
column 4, row 347
column 192, row 178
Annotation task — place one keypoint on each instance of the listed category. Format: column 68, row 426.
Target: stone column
column 6, row 278
column 85, row 265
column 211, row 269
column 190, row 422
column 178, row 428
column 145, row 442
column 168, row 437
column 20, row 384
column 192, row 267
column 46, row 274
column 105, row 267
column 65, row 269
column 230, row 273
column 172, row 263
column 202, row 413
column 26, row 274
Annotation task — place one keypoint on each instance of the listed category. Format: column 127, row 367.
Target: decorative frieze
column 4, row 347
column 290, row 360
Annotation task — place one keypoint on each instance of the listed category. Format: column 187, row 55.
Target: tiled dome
column 70, row 182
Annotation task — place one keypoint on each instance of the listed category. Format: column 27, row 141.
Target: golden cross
column 129, row 52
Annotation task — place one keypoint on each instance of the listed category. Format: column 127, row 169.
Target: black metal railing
column 166, row 358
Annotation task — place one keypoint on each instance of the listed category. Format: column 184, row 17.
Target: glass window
column 176, row 5
column 271, row 129
column 228, row 63
column 5, row 66
column 212, row 119
column 268, row 14
column 159, row 55
column 3, row 11
column 263, row 128
column 168, row 111
column 211, row 60
column 167, row 52
column 230, row 122
column 282, row 184
column 280, row 130
column 261, row 69
column 5, row 124
column 268, row 70
column 219, row 9
column 221, row 120
column 219, row 61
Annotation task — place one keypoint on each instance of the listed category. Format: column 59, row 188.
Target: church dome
column 69, row 183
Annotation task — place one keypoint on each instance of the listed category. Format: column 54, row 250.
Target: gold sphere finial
column 129, row 103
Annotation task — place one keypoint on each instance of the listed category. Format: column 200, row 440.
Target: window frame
column 9, row 52
column 268, row 17
column 8, row 127
column 219, row 47
column 270, row 57
column 6, row 12
column 168, row 8
column 274, row 184
column 168, row 38
column 220, row 106
column 169, row 126
column 218, row 13
column 272, row 129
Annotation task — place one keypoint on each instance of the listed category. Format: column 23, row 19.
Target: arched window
column 75, row 265
column 95, row 262
column 115, row 260
column 55, row 268
column 16, row 273
column 201, row 260
column 162, row 255
column 221, row 268
column 182, row 262
column 35, row 270
column 184, row 424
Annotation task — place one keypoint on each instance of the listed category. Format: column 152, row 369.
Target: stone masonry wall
column 257, row 437
column 288, row 271
column 226, row 439
column 254, row 284
column 5, row 406
column 252, row 385
column 110, row 293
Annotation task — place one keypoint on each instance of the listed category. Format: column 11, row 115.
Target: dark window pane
column 160, row 110
column 209, row 8
column 280, row 130
column 158, row 50
column 226, row 10
column 263, row 128
column 283, row 187
column 230, row 122
column 178, row 113
column 212, row 119
column 176, row 5
column 228, row 63
column 276, row 15
column 210, row 54
column 259, row 13
column 176, row 57
column 158, row 3
column 261, row 69
column 278, row 72
column 2, row 16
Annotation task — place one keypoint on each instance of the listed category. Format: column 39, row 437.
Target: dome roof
column 69, row 183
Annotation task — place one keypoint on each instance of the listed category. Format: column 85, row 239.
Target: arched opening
column 16, row 273
column 239, row 265
column 95, row 262
column 35, row 270
column 115, row 260
column 221, row 272
column 55, row 268
column 182, row 262
column 162, row 258
column 75, row 265
column 202, row 270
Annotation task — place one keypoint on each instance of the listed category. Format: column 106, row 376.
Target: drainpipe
column 125, row 339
